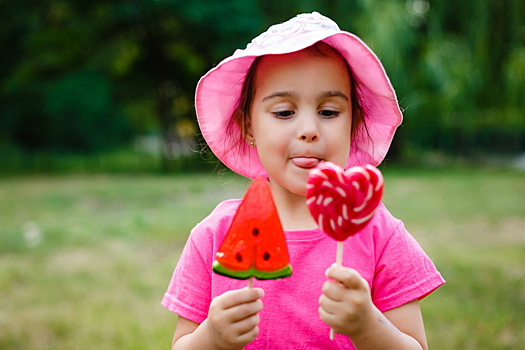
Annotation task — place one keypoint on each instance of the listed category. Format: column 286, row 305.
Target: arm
column 231, row 324
column 347, row 307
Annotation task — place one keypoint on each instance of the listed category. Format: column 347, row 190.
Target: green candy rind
column 260, row 275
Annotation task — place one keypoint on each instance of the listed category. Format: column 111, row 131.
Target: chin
column 299, row 192
column 299, row 189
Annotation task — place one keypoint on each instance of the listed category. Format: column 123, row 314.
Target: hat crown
column 305, row 22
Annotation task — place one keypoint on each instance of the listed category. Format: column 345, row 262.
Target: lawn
column 85, row 259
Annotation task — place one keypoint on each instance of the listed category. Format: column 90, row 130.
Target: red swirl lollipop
column 343, row 202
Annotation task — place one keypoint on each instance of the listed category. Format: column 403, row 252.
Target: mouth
column 306, row 162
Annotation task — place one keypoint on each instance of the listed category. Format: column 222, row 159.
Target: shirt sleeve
column 191, row 289
column 189, row 292
column 403, row 272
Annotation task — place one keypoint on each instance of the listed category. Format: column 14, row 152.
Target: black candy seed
column 238, row 257
column 266, row 256
column 255, row 232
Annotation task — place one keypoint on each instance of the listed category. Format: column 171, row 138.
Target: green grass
column 16, row 162
column 85, row 259
column 123, row 160
column 472, row 224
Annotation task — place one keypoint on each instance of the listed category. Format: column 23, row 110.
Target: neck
column 292, row 209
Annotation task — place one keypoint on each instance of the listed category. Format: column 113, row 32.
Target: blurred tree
column 53, row 99
column 87, row 75
column 177, row 42
column 465, row 98
column 93, row 72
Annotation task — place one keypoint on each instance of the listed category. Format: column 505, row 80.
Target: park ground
column 86, row 259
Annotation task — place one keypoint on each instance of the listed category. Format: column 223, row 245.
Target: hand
column 233, row 318
column 345, row 304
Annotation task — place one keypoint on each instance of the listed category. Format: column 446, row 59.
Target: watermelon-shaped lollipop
column 254, row 245
column 343, row 202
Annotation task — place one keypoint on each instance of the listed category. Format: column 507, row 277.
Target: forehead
column 303, row 68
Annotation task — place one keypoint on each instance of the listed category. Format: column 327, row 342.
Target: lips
column 306, row 162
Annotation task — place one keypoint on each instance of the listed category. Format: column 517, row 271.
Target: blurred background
column 84, row 80
column 103, row 171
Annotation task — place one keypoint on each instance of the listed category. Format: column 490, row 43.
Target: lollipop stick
column 339, row 257
column 250, row 285
column 338, row 262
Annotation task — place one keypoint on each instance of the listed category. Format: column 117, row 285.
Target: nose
column 308, row 129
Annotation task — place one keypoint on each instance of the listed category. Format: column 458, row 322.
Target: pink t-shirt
column 384, row 253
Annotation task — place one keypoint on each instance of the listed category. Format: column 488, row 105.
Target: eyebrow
column 293, row 95
column 279, row 94
column 334, row 94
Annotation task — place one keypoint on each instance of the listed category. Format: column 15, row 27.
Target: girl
column 301, row 93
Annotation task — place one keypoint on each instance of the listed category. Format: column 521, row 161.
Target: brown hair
column 242, row 114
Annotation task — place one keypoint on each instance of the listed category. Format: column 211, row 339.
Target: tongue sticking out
column 305, row 162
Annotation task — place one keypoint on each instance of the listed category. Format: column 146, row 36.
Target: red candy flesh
column 343, row 202
column 255, row 245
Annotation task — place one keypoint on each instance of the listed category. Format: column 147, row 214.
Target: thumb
column 349, row 277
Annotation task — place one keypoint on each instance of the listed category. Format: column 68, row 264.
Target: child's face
column 301, row 115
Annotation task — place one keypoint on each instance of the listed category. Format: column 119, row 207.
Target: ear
column 248, row 135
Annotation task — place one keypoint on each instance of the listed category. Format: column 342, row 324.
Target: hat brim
column 218, row 94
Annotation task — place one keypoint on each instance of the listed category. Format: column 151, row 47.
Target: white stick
column 250, row 285
column 339, row 257
column 338, row 262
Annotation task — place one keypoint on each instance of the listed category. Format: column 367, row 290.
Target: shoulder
column 386, row 232
column 206, row 237
column 223, row 212
column 217, row 222
column 383, row 224
column 395, row 246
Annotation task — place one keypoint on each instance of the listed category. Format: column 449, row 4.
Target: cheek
column 270, row 134
column 272, row 145
column 339, row 145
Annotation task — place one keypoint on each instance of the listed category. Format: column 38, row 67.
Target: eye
column 283, row 114
column 329, row 113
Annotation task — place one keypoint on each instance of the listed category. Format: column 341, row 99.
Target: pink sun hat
column 219, row 92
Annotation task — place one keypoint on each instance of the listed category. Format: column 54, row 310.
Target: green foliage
column 122, row 161
column 84, row 76
column 463, row 86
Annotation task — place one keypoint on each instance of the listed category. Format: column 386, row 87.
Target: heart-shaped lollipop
column 343, row 202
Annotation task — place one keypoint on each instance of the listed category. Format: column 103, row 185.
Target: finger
column 247, row 324
column 334, row 290
column 249, row 336
column 350, row 278
column 328, row 305
column 240, row 312
column 327, row 317
column 246, row 330
column 240, row 296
